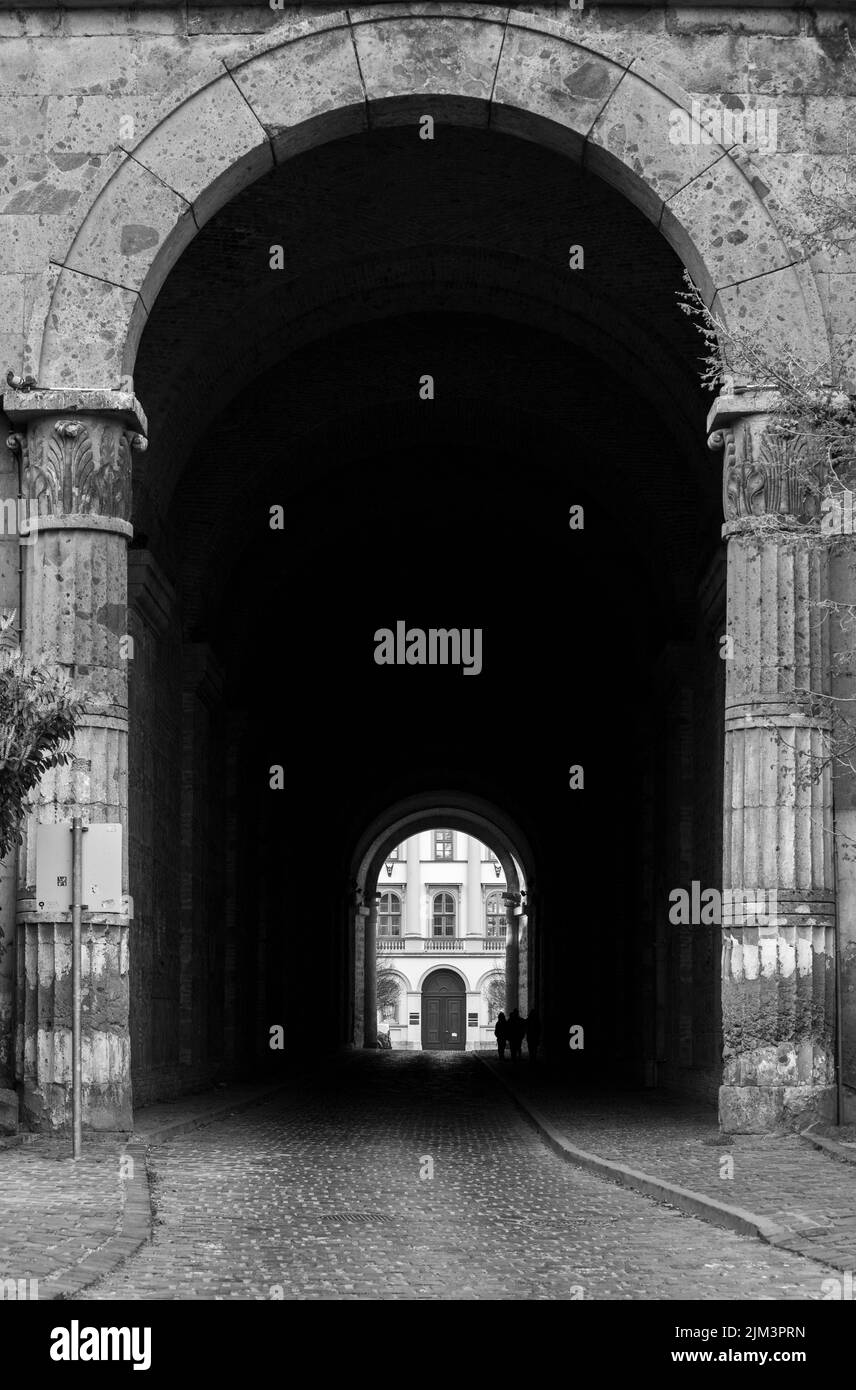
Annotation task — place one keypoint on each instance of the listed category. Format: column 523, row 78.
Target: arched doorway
column 444, row 1013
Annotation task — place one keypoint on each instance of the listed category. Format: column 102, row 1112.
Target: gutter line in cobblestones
column 135, row 1225
column 683, row 1198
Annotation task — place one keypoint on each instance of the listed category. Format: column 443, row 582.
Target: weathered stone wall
column 9, row 602
column 154, row 691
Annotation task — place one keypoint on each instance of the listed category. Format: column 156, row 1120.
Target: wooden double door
column 444, row 1012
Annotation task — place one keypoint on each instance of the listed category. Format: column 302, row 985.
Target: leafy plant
column 39, row 710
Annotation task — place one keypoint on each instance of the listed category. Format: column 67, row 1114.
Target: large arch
column 314, row 80
column 499, row 77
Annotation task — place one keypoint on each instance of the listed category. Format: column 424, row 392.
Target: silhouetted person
column 533, row 1033
column 516, row 1034
column 500, row 1032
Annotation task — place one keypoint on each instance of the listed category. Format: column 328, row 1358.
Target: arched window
column 389, row 915
column 495, row 914
column 443, row 913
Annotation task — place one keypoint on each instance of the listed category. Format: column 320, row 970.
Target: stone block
column 132, row 222
column 786, row 305
column 410, row 62
column 770, row 1109
column 8, row 1112
column 543, row 75
column 209, row 149
column 307, row 83
column 726, row 220
column 629, row 144
column 84, row 341
column 737, row 19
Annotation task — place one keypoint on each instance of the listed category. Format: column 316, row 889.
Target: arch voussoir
column 549, row 88
column 206, row 173
column 406, row 57
column 305, row 91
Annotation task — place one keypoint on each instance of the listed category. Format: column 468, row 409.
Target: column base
column 46, row 1108
column 51, row 1114
column 773, row 1109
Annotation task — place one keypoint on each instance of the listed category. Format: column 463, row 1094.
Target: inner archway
column 438, row 879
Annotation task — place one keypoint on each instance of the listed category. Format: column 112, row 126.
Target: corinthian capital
column 75, row 449
column 767, row 471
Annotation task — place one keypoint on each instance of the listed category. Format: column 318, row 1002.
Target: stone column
column 512, row 951
column 523, row 979
column 75, row 448
column 475, row 925
column 778, row 987
column 357, row 916
column 412, row 914
column 370, row 1026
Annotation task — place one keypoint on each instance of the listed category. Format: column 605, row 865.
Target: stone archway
column 310, row 82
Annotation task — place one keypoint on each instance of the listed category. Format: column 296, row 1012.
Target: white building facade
column 441, row 931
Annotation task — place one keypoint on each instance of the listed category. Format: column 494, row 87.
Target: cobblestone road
column 318, row 1194
column 773, row 1176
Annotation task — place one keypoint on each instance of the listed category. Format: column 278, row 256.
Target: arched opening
column 447, row 513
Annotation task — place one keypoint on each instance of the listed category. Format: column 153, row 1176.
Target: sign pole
column 76, row 904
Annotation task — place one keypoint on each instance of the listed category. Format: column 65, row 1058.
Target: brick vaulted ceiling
column 405, row 257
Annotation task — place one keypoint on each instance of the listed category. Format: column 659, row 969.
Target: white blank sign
column 102, row 867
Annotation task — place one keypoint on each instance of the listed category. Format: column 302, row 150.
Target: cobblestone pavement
column 54, row 1211
column 318, row 1194
column 779, row 1177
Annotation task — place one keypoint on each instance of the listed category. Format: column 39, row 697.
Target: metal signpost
column 95, row 879
column 76, row 908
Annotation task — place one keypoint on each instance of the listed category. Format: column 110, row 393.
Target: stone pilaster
column 512, row 951
column 370, row 1023
column 75, row 449
column 358, row 914
column 475, row 924
column 778, row 983
column 413, row 905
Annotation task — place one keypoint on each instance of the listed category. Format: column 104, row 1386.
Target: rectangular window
column 443, row 846
column 495, row 915
column 389, row 915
